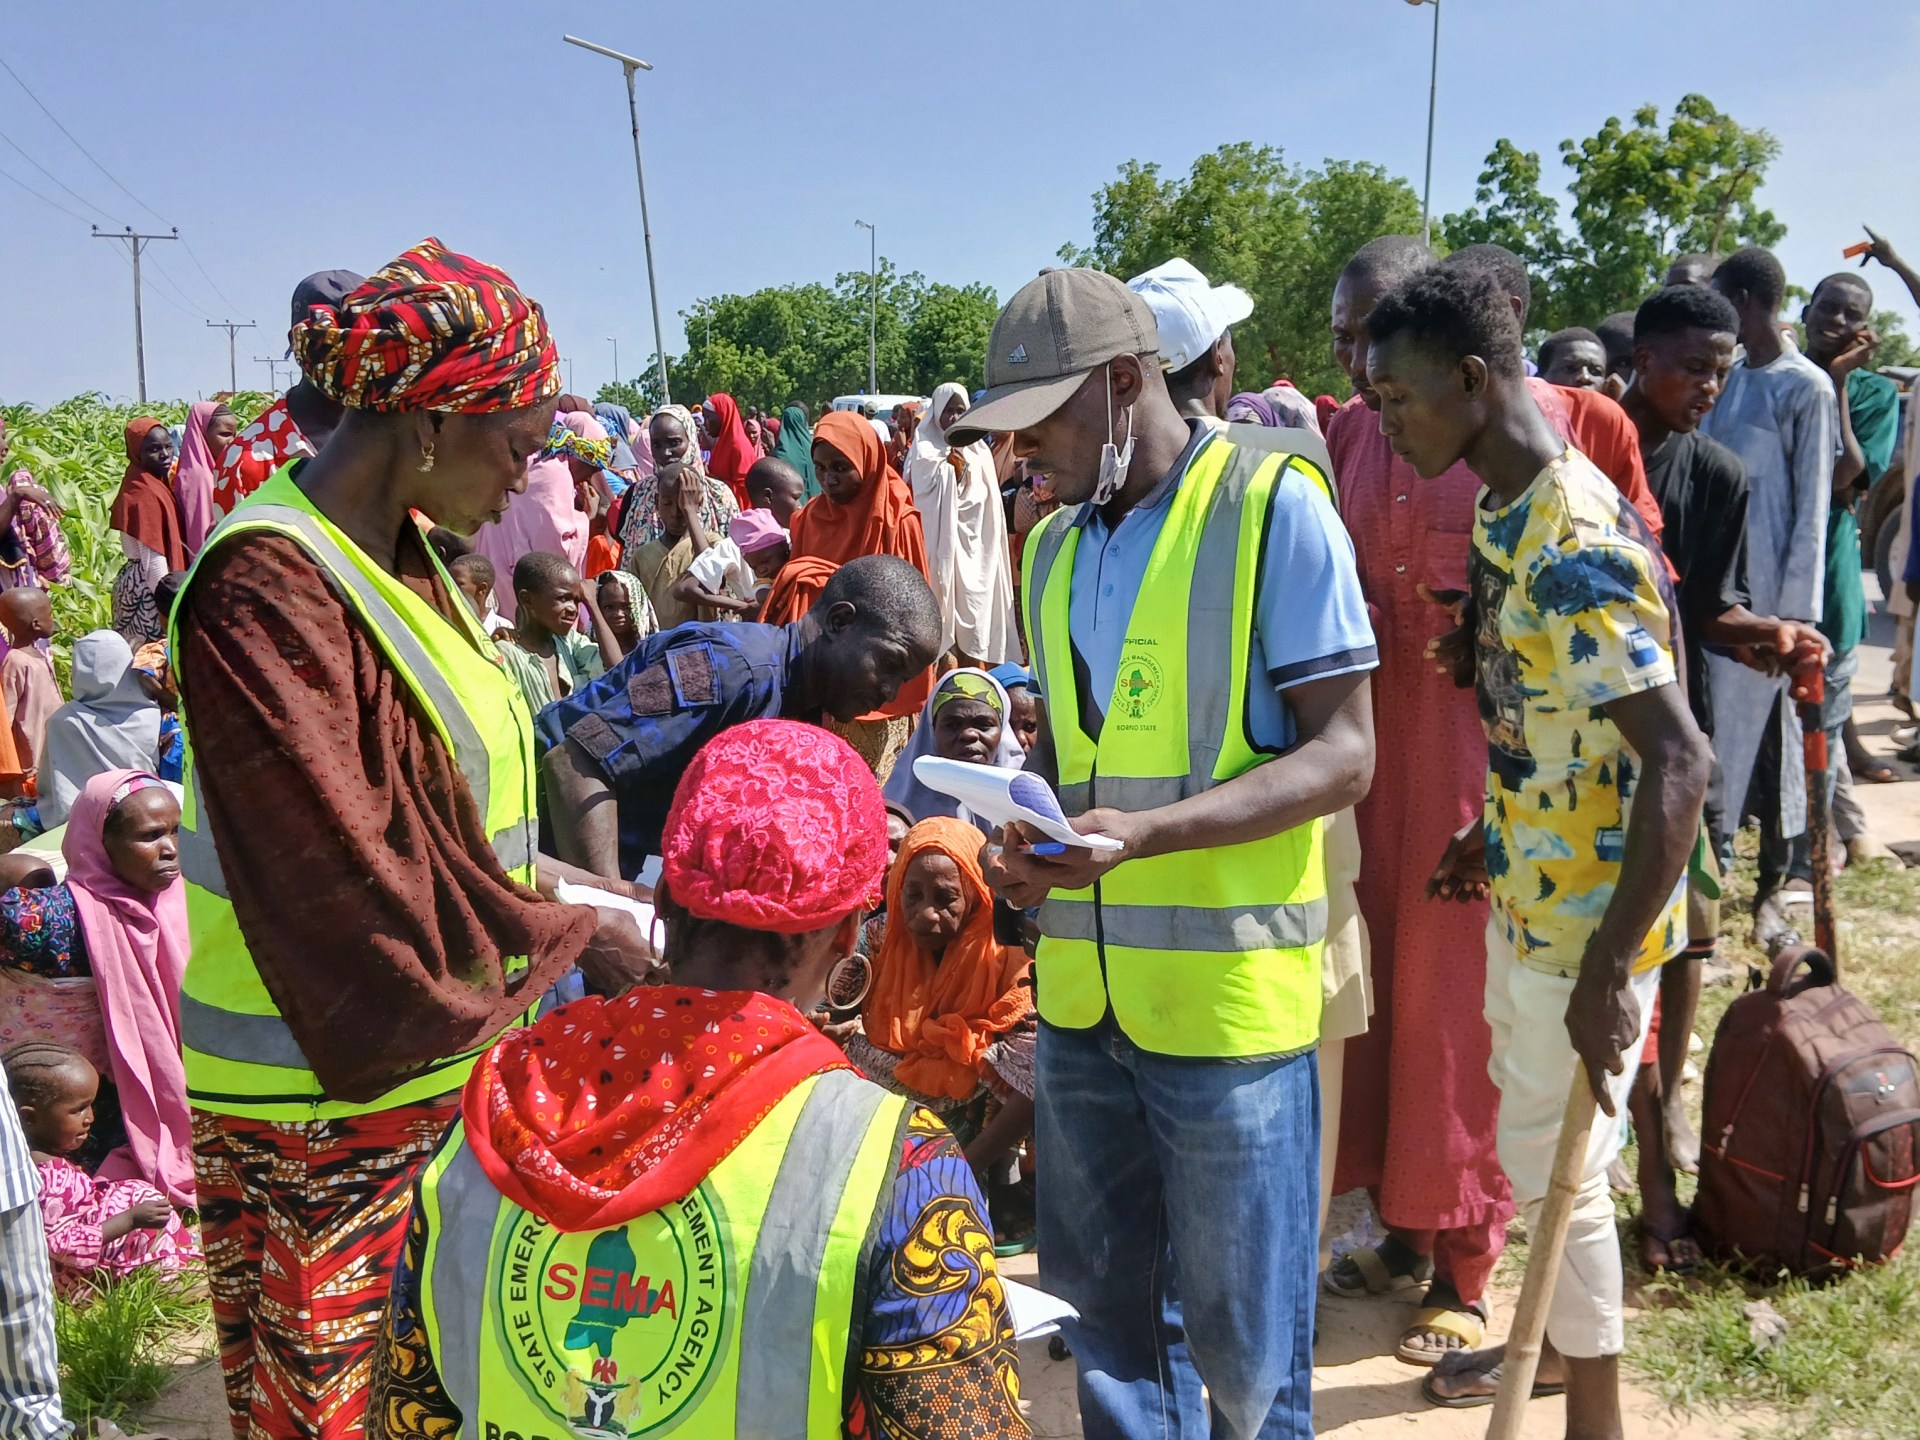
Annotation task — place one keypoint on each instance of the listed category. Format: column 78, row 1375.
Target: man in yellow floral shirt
column 1596, row 773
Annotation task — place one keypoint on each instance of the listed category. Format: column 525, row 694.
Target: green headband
column 964, row 685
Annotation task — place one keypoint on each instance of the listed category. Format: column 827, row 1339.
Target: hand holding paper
column 1004, row 797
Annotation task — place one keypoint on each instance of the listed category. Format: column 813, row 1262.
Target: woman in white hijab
column 958, row 496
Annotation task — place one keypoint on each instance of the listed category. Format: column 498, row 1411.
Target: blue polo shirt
column 645, row 719
column 1310, row 618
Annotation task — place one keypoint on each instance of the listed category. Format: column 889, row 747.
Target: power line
column 78, row 146
column 179, row 290
column 204, row 275
column 56, row 179
column 42, row 198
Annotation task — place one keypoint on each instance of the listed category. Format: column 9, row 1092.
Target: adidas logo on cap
column 1018, row 355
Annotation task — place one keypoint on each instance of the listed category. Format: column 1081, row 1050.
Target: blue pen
column 1047, row 847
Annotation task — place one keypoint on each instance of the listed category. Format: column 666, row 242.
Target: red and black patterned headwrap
column 430, row 330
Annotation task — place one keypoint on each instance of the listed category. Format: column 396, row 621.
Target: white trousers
column 1533, row 1066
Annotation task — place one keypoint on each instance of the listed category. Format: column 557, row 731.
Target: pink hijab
column 542, row 517
column 193, row 480
column 137, row 942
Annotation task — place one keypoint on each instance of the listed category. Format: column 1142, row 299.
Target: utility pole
column 616, row 359
column 273, row 363
column 136, row 242
column 230, row 326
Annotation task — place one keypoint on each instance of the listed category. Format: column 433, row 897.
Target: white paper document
column 1035, row 1313
column 1003, row 796
column 643, row 915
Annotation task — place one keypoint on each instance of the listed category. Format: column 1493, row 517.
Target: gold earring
column 426, row 457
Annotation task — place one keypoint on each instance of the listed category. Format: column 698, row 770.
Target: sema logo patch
column 616, row 1334
column 1138, row 689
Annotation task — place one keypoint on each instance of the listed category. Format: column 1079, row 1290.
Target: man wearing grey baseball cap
column 1196, row 625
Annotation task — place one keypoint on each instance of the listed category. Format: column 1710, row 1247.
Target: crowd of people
column 482, row 901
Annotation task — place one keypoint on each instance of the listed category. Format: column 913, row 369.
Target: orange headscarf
column 795, row 588
column 145, row 507
column 941, row 1017
column 882, row 520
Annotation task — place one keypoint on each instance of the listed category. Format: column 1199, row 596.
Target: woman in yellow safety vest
column 684, row 1207
column 358, row 833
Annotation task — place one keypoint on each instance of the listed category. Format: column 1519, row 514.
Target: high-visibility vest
column 241, row 1058
column 728, row 1312
column 1212, row 952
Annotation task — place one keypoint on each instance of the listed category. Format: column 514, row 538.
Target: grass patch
column 1849, row 1365
column 116, row 1350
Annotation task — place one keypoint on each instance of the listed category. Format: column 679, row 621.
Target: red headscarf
column 431, row 330
column 608, row 1109
column 145, row 507
column 881, row 520
column 941, row 1015
column 733, row 450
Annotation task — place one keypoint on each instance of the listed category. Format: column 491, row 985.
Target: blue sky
column 288, row 138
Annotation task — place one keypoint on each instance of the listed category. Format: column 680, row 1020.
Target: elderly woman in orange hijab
column 148, row 519
column 948, row 1018
column 864, row 508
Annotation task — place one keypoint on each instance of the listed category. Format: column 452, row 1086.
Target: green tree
column 628, row 394
column 947, row 336
column 1511, row 210
column 1896, row 346
column 1642, row 193
column 1244, row 215
column 809, row 342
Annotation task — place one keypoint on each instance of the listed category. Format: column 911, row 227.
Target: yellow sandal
column 1463, row 1325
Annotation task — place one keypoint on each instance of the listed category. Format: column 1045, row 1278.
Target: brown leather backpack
column 1810, row 1134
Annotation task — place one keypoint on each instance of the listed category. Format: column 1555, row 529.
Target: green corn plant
column 77, row 449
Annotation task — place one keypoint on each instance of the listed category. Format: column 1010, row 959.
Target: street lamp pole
column 632, row 64
column 873, row 307
column 1433, row 99
column 616, row 359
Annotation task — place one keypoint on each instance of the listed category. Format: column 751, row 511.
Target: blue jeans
column 1179, row 1210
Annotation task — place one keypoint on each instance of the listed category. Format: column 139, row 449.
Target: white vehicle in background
column 882, row 404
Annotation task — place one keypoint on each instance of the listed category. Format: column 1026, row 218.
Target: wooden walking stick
column 1810, row 691
column 1544, row 1249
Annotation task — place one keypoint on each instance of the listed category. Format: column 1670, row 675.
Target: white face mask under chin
column 1113, row 462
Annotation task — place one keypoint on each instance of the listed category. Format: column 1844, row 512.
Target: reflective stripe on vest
column 1233, row 969
column 241, row 1056
column 797, row 1201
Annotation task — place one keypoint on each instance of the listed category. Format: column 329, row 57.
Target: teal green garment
column 1873, row 407
column 579, row 658
column 795, row 446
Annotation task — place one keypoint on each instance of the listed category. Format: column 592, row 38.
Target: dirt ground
column 1360, row 1392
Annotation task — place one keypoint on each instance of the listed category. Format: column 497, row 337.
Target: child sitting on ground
column 96, row 1230
column 26, row 674
column 732, row 576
